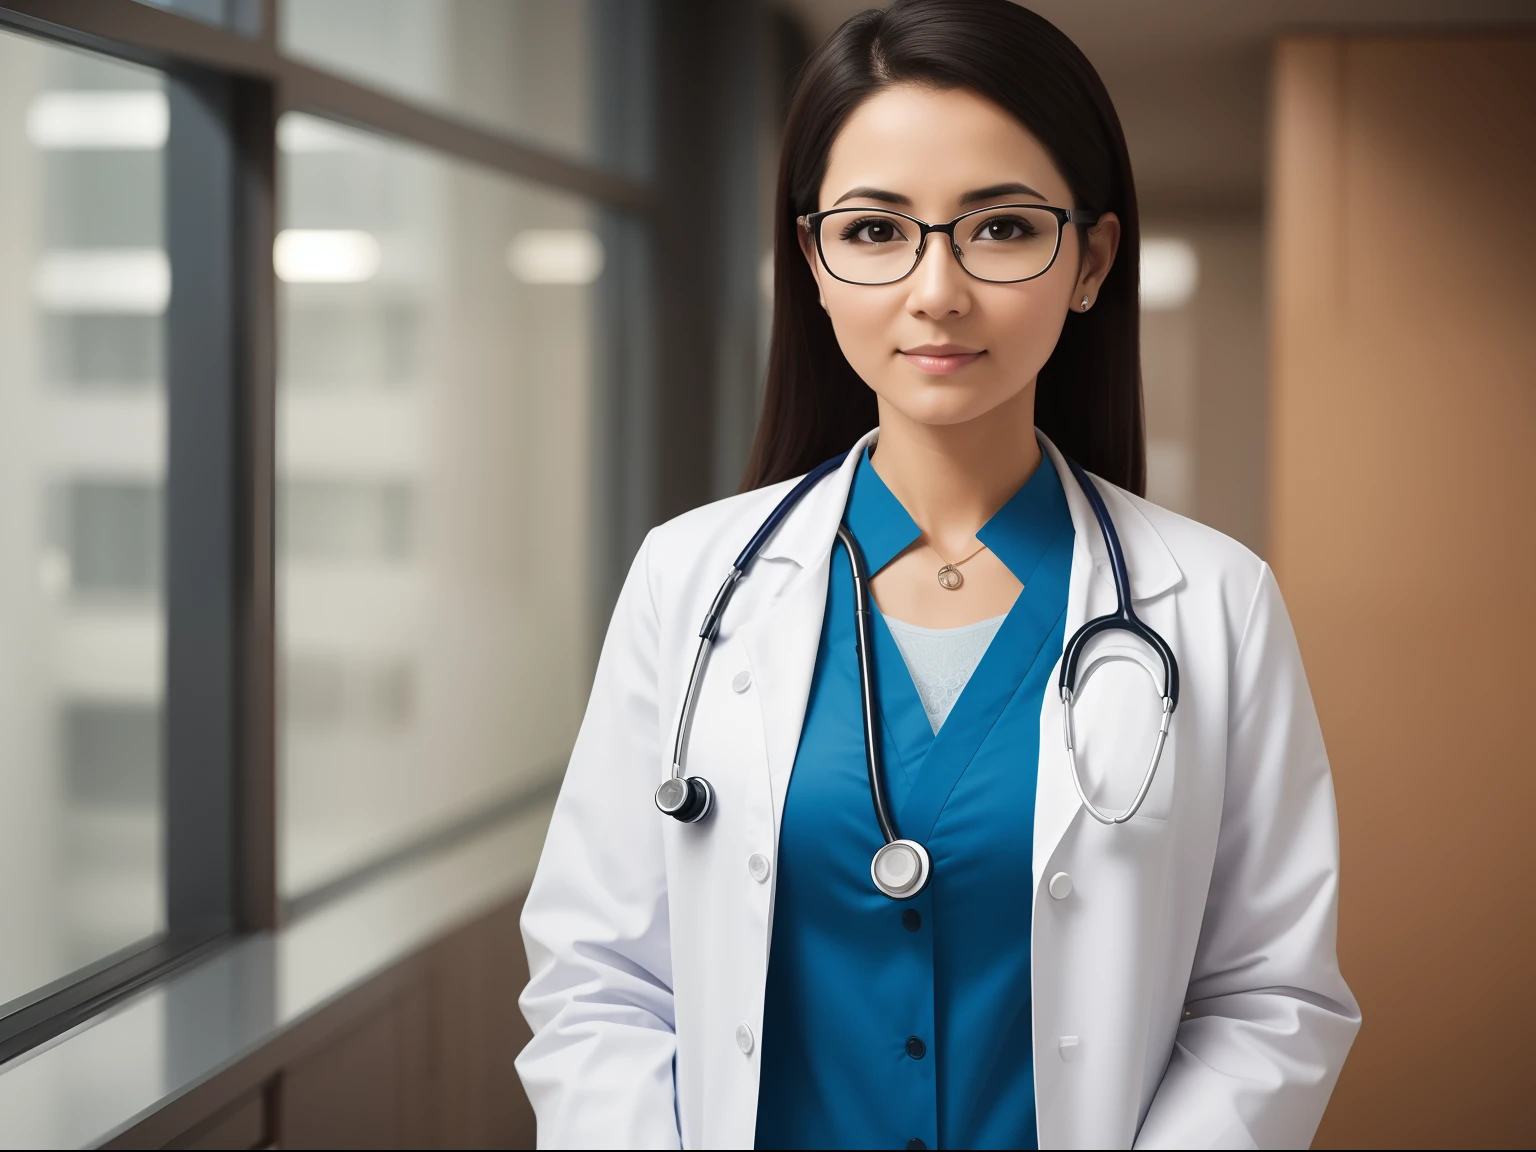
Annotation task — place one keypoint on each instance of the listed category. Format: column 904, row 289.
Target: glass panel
column 434, row 507
column 84, row 282
column 240, row 15
column 569, row 75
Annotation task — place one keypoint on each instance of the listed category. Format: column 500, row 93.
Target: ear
column 1102, row 242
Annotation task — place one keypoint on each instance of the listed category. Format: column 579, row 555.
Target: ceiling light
column 324, row 256
column 1170, row 272
column 297, row 132
column 134, row 281
column 556, row 256
column 119, row 121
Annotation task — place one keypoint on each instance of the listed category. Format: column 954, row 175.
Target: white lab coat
column 1186, row 990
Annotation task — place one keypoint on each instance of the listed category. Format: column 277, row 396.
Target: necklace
column 949, row 575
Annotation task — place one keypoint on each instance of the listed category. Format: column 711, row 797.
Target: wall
column 1403, row 401
column 418, row 1057
column 1203, row 378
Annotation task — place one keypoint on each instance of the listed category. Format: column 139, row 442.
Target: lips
column 940, row 360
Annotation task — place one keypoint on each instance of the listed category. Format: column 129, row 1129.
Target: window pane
column 434, row 506
column 84, row 282
column 569, row 75
column 241, row 15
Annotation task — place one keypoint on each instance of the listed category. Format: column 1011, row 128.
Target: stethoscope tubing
column 697, row 794
column 695, row 682
column 864, row 643
column 1123, row 619
column 710, row 628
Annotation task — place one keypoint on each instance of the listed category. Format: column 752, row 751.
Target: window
column 435, row 402
column 241, row 15
column 84, row 288
column 565, row 74
column 317, row 463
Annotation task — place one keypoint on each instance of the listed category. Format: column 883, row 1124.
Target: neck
column 952, row 478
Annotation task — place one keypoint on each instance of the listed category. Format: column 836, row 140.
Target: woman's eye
column 1005, row 228
column 872, row 232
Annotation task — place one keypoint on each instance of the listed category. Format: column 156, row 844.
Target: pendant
column 950, row 578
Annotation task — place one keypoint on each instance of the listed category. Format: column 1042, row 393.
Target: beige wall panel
column 1402, row 481
column 1230, row 417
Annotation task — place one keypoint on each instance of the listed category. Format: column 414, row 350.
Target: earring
column 1085, row 304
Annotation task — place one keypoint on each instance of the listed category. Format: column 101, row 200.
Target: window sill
column 99, row 1079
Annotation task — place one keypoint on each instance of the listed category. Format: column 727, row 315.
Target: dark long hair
column 1088, row 397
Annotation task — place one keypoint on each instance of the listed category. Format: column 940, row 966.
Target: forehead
column 933, row 145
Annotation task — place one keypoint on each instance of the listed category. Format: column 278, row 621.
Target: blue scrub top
column 906, row 1024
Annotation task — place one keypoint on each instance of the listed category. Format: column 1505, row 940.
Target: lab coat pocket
column 1117, row 711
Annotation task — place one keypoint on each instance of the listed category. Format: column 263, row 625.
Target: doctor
column 957, row 267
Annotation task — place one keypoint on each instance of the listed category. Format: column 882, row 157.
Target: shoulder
column 694, row 550
column 1201, row 552
column 720, row 528
column 1214, row 571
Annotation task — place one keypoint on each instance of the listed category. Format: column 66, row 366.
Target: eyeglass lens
column 868, row 246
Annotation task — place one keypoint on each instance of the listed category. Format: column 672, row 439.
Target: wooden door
column 1403, row 509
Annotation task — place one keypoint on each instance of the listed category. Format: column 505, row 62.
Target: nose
column 939, row 285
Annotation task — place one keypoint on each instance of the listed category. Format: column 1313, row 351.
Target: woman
column 1028, row 972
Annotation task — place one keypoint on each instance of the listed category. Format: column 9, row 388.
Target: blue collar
column 1018, row 533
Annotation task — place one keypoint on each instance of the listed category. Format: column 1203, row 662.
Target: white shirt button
column 1060, row 886
column 757, row 865
column 1067, row 1047
column 741, row 681
column 744, row 1039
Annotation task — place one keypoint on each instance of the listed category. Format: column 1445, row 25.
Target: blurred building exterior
column 83, row 454
column 350, row 349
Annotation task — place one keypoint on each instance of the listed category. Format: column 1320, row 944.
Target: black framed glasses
column 1002, row 244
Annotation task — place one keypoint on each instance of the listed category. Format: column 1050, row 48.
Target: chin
column 942, row 405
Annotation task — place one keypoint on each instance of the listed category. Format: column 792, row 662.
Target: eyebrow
column 991, row 192
column 874, row 194
column 1012, row 188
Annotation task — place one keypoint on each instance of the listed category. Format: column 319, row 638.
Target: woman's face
column 940, row 346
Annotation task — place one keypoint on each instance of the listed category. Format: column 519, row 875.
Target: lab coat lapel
column 1091, row 593
column 1056, row 803
column 782, row 636
column 780, row 644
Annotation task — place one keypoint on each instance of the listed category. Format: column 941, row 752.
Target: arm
column 599, row 997
column 1268, row 1019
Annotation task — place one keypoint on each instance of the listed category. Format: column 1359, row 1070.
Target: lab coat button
column 741, row 682
column 757, row 865
column 916, row 1048
column 1060, row 886
column 744, row 1039
column 916, row 1143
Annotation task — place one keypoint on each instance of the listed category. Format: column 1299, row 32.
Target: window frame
column 227, row 90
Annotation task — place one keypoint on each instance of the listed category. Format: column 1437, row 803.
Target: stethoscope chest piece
column 901, row 869
column 687, row 799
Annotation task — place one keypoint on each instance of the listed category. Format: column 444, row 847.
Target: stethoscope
column 902, row 868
